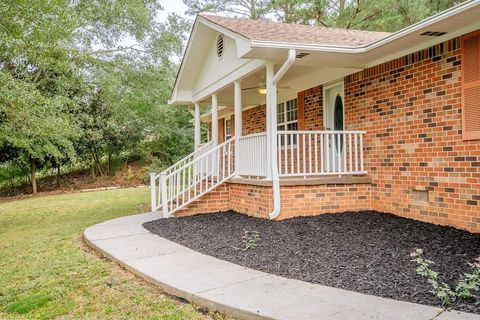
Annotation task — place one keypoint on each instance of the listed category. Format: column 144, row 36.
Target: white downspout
column 273, row 131
column 269, row 74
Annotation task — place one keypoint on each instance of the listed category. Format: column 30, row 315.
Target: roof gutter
column 273, row 128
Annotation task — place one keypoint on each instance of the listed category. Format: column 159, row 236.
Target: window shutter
column 471, row 85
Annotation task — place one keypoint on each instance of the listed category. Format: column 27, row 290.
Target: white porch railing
column 300, row 153
column 309, row 153
column 252, row 151
column 204, row 148
column 197, row 175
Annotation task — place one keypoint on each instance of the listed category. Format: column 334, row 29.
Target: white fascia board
column 181, row 97
column 247, row 68
column 303, row 46
column 173, row 97
column 378, row 43
column 243, row 47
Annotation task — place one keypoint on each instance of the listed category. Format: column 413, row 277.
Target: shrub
column 468, row 284
column 249, row 240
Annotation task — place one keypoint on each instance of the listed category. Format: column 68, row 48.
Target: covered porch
column 267, row 126
column 259, row 139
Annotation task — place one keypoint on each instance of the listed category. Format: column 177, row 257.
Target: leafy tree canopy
column 83, row 80
column 379, row 15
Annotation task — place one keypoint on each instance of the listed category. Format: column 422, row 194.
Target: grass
column 46, row 271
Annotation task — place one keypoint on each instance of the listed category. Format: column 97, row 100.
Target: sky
column 172, row 6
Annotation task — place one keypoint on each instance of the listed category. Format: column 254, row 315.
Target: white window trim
column 324, row 104
column 225, row 135
column 286, row 122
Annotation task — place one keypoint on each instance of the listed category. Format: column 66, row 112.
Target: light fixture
column 262, row 91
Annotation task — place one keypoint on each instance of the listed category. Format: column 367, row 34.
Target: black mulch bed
column 367, row 252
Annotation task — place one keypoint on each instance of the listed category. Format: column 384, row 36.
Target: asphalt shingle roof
column 296, row 33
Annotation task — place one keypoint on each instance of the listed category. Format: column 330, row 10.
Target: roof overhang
column 243, row 45
column 455, row 21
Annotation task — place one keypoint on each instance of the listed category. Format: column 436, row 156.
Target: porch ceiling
column 300, row 77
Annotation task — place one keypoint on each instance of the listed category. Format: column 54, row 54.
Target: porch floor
column 367, row 252
column 305, row 181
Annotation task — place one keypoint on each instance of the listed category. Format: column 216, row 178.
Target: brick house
column 308, row 120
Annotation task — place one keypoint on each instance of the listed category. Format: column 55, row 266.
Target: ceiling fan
column 261, row 87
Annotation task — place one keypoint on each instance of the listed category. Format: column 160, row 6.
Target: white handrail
column 189, row 181
column 205, row 155
column 321, row 131
column 200, row 150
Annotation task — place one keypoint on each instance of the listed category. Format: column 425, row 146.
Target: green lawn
column 47, row 272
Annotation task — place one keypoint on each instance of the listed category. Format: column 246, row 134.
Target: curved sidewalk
column 238, row 291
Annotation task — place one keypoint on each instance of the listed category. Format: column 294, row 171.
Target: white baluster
column 361, row 153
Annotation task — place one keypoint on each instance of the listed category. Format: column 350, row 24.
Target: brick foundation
column 300, row 200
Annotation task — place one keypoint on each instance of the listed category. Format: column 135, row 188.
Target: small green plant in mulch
column 249, row 240
column 468, row 285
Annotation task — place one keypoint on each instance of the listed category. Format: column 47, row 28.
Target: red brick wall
column 313, row 110
column 251, row 200
column 257, row 201
column 221, row 130
column 217, row 200
column 326, row 198
column 411, row 110
column 254, row 120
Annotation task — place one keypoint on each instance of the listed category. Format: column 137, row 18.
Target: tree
column 66, row 76
column 251, row 9
column 33, row 124
column 378, row 15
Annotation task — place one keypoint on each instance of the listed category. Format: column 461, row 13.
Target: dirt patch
column 367, row 252
column 127, row 177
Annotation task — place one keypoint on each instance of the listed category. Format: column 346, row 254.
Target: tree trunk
column 109, row 162
column 58, row 175
column 33, row 175
column 93, row 170
column 97, row 163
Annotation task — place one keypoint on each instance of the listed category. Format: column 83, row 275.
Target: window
column 228, row 129
column 287, row 115
column 287, row 118
column 471, row 85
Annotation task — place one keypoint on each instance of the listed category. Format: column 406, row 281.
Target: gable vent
column 433, row 33
column 220, row 46
column 302, row 55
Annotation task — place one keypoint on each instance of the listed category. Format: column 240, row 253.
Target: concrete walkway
column 238, row 291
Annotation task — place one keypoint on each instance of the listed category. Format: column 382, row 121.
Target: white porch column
column 214, row 120
column 269, row 78
column 197, row 125
column 238, row 109
column 238, row 120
